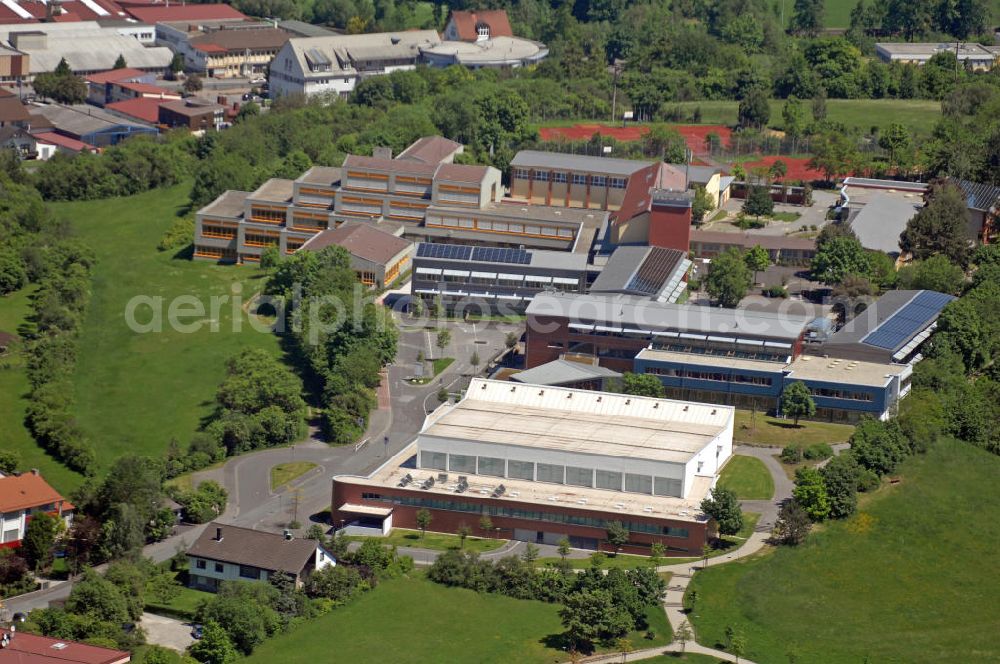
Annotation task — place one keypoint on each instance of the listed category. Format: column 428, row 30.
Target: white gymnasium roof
column 581, row 421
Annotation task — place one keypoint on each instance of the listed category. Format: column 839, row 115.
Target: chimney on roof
column 218, row 534
column 34, row 471
column 288, row 535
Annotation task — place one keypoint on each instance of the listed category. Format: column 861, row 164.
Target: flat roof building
column 92, row 126
column 979, row 57
column 551, row 462
column 881, row 219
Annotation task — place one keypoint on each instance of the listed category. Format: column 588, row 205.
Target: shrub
column 818, row 452
column 791, row 454
column 180, row 234
column 776, row 291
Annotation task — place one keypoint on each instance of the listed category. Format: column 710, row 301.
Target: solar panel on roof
column 448, row 251
column 906, row 323
column 501, row 255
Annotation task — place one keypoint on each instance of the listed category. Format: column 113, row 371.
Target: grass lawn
column 182, row 607
column 690, row 658
column 918, row 114
column 772, row 431
column 284, row 473
column 414, row 620
column 436, row 541
column 441, row 364
column 909, row 579
column 14, row 436
column 748, row 477
column 622, row 560
column 785, row 216
column 135, row 391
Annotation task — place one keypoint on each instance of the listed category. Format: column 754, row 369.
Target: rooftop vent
column 218, row 534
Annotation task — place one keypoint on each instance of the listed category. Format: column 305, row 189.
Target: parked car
column 196, row 631
column 19, row 617
column 258, row 81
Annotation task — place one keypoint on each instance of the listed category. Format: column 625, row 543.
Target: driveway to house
column 167, row 632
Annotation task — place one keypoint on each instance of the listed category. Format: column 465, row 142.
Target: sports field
column 910, row 579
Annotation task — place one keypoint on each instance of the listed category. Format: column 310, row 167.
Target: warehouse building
column 544, row 463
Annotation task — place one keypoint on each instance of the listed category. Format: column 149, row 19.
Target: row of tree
column 598, row 607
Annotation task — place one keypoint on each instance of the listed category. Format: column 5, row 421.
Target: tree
column 98, row 598
column 939, row 227
column 511, row 339
column 642, row 385
column 530, row 554
column 754, row 109
column 9, row 461
column 778, row 170
column 177, row 64
column 164, row 587
column 656, row 553
column 120, row 62
column 878, row 446
column 793, row 116
column 463, row 532
column 835, row 153
column 839, row 257
column 728, row 278
column 819, row 105
column 759, row 202
column 338, row 583
column 896, row 140
column 701, row 205
column 683, row 634
column 840, row 477
column 249, row 110
column 424, row 519
column 793, row 524
column 757, row 259
column 474, row 360
column 723, row 506
column 738, row 646
column 810, row 493
column 937, row 273
column 486, row 525
column 594, row 615
column 13, row 276
column 624, row 646
column 61, row 85
column 807, row 17
column 564, row 547
column 39, row 540
column 193, row 84
column 666, row 143
column 214, row 646
column 797, row 402
column 443, row 338
column 617, row 535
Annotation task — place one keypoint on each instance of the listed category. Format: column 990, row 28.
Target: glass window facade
column 664, row 486
column 547, row 472
column 520, row 470
column 638, row 483
column 579, row 476
column 459, row 463
column 609, row 480
column 491, row 466
column 437, row 460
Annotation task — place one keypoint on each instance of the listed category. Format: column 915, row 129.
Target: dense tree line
column 598, row 607
column 339, row 337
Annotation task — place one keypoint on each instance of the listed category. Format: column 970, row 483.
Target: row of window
column 561, row 177
column 532, row 515
column 267, row 215
column 726, row 351
column 502, row 227
column 201, row 251
column 710, row 375
column 260, row 239
column 551, row 473
column 218, row 232
column 840, row 394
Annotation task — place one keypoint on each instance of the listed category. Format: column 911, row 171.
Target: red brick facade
column 449, row 521
column 670, row 226
column 549, row 337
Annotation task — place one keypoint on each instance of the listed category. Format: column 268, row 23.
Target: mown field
column 908, row 580
column 748, row 477
column 412, row 620
column 137, row 390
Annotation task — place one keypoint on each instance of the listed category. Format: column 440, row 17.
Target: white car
column 258, row 81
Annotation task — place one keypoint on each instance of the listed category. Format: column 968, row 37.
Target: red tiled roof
column 163, row 14
column 146, row 109
column 62, row 141
column 12, row 110
column 210, row 48
column 18, row 492
column 361, row 240
column 116, row 75
column 389, row 165
column 26, row 648
column 465, row 23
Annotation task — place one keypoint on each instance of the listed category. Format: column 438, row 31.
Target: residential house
column 23, row 648
column 21, row 497
column 983, row 203
column 20, row 141
column 378, row 257
column 229, row 553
